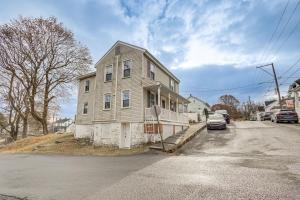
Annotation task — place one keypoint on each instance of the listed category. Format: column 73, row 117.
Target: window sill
column 107, row 81
column 84, row 113
column 125, row 107
column 126, row 77
column 107, row 109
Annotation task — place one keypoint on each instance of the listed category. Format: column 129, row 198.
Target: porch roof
column 165, row 90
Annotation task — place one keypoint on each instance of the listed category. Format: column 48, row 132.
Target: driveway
column 250, row 160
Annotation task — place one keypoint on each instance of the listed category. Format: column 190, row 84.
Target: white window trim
column 123, row 67
column 104, row 101
column 161, row 99
column 87, row 108
column 129, row 99
column 154, row 94
column 85, row 86
column 154, row 69
column 172, row 81
column 112, row 72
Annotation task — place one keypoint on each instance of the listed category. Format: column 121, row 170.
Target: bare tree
column 12, row 101
column 45, row 58
column 229, row 100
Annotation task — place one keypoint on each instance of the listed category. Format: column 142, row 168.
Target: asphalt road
column 250, row 160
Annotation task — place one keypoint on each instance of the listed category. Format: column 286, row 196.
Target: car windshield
column 216, row 116
column 221, row 111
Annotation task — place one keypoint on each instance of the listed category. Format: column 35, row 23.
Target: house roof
column 165, row 89
column 86, row 75
column 269, row 102
column 146, row 52
column 191, row 96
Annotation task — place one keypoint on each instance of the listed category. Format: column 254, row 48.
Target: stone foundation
column 110, row 133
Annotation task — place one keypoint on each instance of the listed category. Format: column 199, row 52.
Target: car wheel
column 297, row 121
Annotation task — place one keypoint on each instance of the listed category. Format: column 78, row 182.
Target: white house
column 197, row 105
column 114, row 102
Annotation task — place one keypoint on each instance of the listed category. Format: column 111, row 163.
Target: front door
column 125, row 135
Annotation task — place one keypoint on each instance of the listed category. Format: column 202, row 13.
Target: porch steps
column 174, row 142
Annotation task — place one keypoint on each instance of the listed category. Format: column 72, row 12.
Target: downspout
column 116, row 87
column 94, row 98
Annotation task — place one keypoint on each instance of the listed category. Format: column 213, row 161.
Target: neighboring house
column 114, row 103
column 271, row 105
column 197, row 105
column 62, row 124
column 294, row 90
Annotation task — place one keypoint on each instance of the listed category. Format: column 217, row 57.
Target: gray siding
column 85, row 97
column 135, row 83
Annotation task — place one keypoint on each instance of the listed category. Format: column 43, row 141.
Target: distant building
column 294, row 90
column 62, row 124
column 197, row 105
column 271, row 105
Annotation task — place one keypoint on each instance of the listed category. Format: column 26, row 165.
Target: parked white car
column 216, row 121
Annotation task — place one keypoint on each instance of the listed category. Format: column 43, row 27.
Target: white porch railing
column 167, row 115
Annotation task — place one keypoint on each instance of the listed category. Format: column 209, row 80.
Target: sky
column 212, row 46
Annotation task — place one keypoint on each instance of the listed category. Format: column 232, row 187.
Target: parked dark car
column 285, row 116
column 266, row 116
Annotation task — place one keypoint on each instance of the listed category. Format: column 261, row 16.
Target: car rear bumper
column 216, row 126
column 287, row 119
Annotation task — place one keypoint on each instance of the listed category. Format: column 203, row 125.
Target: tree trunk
column 25, row 127
column 45, row 127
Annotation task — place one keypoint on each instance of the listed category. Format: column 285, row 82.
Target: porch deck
column 166, row 116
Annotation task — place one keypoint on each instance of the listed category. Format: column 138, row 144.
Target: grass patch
column 65, row 144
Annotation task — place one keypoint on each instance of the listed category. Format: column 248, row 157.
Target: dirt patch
column 66, row 144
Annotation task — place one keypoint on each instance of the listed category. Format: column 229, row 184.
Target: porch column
column 169, row 113
column 297, row 109
column 169, row 99
column 158, row 96
column 177, row 111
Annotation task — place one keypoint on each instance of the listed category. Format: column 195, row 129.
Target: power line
column 274, row 32
column 291, row 67
column 288, row 21
column 256, row 85
column 285, row 80
column 286, row 39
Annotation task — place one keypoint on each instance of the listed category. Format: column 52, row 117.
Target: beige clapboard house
column 114, row 103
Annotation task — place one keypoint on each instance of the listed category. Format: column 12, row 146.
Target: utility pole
column 275, row 78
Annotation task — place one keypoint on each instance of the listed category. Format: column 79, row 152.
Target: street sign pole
column 158, row 128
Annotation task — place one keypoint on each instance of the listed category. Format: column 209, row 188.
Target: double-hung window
column 87, row 86
column 172, row 85
column 107, row 101
column 85, row 108
column 127, row 68
column 152, row 71
column 108, row 73
column 125, row 99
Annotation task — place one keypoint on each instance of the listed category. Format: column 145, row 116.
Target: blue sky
column 213, row 46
